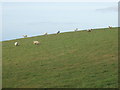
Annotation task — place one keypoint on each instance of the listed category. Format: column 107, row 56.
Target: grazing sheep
column 110, row 27
column 16, row 44
column 89, row 30
column 58, row 32
column 45, row 34
column 76, row 29
column 25, row 36
column 36, row 42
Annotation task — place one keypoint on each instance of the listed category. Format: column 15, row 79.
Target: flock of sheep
column 34, row 42
column 37, row 42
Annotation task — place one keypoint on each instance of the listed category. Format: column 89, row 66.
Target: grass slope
column 68, row 60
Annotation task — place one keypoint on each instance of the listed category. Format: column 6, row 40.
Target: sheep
column 110, row 27
column 58, row 32
column 16, row 44
column 76, row 29
column 25, row 36
column 45, row 34
column 89, row 30
column 36, row 42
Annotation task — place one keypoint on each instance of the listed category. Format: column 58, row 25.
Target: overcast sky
column 38, row 18
column 59, row 0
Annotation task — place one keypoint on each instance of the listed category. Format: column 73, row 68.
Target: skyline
column 37, row 18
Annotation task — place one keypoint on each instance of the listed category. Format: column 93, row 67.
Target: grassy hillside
column 68, row 60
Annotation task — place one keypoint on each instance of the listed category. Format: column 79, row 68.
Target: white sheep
column 45, row 34
column 76, row 29
column 89, row 30
column 25, row 36
column 16, row 44
column 36, row 42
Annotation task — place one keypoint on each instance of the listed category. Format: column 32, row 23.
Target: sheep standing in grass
column 110, row 27
column 89, row 30
column 76, row 29
column 25, row 36
column 36, row 42
column 58, row 32
column 45, row 34
column 16, row 44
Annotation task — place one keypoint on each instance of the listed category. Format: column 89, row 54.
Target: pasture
column 78, row 59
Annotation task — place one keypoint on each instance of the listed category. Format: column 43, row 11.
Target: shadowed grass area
column 68, row 60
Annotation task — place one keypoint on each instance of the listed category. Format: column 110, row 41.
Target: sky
column 36, row 18
column 59, row 0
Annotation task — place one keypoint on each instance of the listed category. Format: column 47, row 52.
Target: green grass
column 68, row 60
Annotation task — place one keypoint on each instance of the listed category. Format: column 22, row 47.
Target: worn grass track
column 68, row 60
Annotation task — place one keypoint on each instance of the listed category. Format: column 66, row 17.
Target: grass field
column 68, row 60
